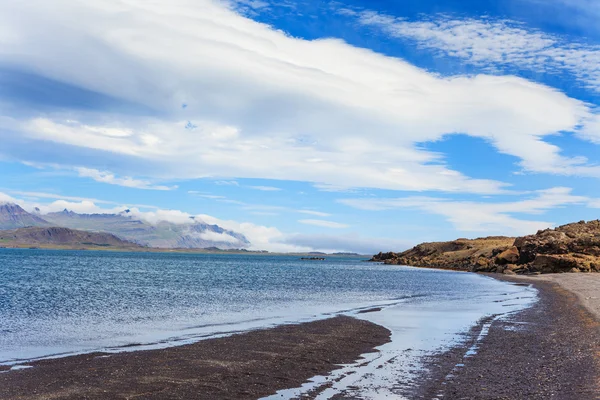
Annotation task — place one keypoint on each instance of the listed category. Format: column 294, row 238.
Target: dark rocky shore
column 244, row 366
column 549, row 351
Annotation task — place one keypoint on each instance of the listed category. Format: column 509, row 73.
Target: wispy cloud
column 265, row 188
column 348, row 243
column 325, row 187
column 489, row 217
column 493, row 44
column 111, row 179
column 313, row 212
column 227, row 183
column 258, row 209
column 323, row 223
column 45, row 195
column 196, row 193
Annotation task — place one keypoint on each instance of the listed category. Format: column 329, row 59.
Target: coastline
column 244, row 366
column 549, row 350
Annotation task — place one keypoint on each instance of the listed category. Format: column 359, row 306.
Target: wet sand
column 244, row 366
column 550, row 350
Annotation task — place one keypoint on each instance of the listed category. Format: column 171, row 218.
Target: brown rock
column 512, row 267
column 509, row 256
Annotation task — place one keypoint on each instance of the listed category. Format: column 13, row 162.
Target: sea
column 55, row 303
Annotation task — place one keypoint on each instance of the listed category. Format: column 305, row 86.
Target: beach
column 245, row 366
column 547, row 351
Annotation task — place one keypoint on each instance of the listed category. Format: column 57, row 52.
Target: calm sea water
column 64, row 302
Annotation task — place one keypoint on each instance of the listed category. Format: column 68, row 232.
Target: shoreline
column 192, row 251
column 244, row 366
column 549, row 350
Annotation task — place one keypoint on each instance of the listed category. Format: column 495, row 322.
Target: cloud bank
column 231, row 97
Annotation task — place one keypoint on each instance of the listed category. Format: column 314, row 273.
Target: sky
column 306, row 125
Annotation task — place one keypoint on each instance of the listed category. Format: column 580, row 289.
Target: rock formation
column 568, row 248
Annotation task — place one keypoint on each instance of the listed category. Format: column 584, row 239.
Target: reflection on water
column 420, row 327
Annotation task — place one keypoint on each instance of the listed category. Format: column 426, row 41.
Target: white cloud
column 492, row 44
column 347, row 243
column 260, row 237
column 313, row 212
column 258, row 209
column 591, row 130
column 323, row 223
column 218, row 237
column 595, row 203
column 265, row 188
column 111, row 179
column 81, row 207
column 491, row 218
column 267, row 105
column 4, row 198
column 227, row 183
column 206, row 196
column 45, row 195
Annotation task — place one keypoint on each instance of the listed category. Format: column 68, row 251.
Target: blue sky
column 343, row 125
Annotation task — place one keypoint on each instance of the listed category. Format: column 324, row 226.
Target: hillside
column 569, row 248
column 62, row 237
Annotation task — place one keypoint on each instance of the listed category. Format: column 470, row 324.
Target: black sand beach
column 245, row 366
column 549, row 351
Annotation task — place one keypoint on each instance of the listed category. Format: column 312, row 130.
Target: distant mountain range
column 129, row 228
column 56, row 237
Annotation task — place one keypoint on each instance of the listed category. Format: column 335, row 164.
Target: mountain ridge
column 13, row 216
column 128, row 227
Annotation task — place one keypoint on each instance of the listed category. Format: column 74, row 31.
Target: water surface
column 65, row 302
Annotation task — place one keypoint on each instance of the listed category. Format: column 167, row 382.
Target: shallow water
column 65, row 302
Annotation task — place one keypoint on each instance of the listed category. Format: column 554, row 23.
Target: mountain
column 163, row 234
column 124, row 225
column 65, row 237
column 13, row 216
column 569, row 248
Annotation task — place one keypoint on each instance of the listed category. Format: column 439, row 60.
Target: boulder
column 509, row 256
column 551, row 263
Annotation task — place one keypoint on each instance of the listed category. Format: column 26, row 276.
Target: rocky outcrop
column 568, row 248
column 460, row 254
column 381, row 257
